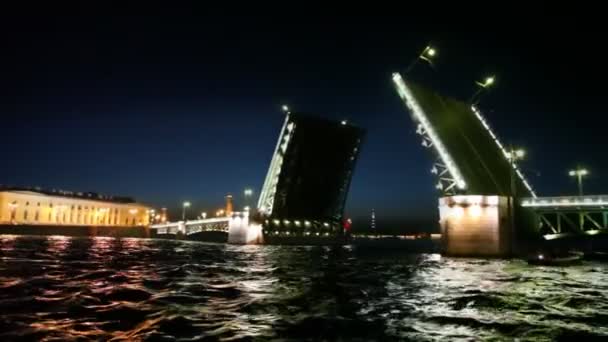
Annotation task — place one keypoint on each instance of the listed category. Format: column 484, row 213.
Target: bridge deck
column 599, row 202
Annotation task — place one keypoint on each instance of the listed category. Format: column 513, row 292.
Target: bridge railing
column 566, row 201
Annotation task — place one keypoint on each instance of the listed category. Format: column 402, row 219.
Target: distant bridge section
column 569, row 215
column 218, row 224
column 470, row 157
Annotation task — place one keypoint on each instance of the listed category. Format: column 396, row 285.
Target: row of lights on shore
column 278, row 232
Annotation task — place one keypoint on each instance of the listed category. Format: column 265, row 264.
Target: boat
column 542, row 259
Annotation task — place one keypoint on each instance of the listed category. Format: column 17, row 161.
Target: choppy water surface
column 57, row 288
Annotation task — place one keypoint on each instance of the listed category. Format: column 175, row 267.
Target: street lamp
column 285, row 108
column 487, row 83
column 204, row 215
column 513, row 155
column 426, row 55
column 579, row 173
column 184, row 206
column 248, row 193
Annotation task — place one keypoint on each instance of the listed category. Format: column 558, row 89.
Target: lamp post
column 426, row 55
column 487, row 83
column 184, row 206
column 248, row 193
column 579, row 173
column 204, row 215
column 513, row 155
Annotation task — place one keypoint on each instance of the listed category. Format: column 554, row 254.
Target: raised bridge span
column 470, row 159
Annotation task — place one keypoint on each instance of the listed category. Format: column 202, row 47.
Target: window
column 25, row 214
column 38, row 203
column 27, row 203
column 13, row 214
column 36, row 216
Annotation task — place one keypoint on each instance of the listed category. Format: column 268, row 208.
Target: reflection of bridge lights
column 297, row 223
column 307, row 223
column 325, row 224
column 286, row 222
column 276, row 222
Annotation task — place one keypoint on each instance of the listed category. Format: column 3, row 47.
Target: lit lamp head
column 285, row 108
column 578, row 172
column 248, row 192
column 489, row 81
column 428, row 53
column 186, row 204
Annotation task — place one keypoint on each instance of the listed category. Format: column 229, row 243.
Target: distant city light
column 186, row 204
column 343, row 122
column 285, row 108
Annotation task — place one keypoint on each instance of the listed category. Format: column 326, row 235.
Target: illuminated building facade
column 309, row 177
column 36, row 207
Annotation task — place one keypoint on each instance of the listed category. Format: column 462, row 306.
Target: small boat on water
column 542, row 259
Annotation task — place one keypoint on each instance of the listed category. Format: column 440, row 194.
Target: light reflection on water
column 103, row 288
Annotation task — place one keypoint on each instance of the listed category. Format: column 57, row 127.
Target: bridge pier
column 476, row 226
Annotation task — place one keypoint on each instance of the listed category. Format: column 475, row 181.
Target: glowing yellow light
column 458, row 212
column 475, row 211
column 133, row 211
column 431, row 52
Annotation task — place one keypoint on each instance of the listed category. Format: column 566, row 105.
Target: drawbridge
column 472, row 160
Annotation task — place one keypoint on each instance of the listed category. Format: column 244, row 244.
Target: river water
column 58, row 288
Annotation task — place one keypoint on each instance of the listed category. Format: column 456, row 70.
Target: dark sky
column 185, row 103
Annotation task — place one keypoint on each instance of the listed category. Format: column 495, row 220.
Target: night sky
column 186, row 105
